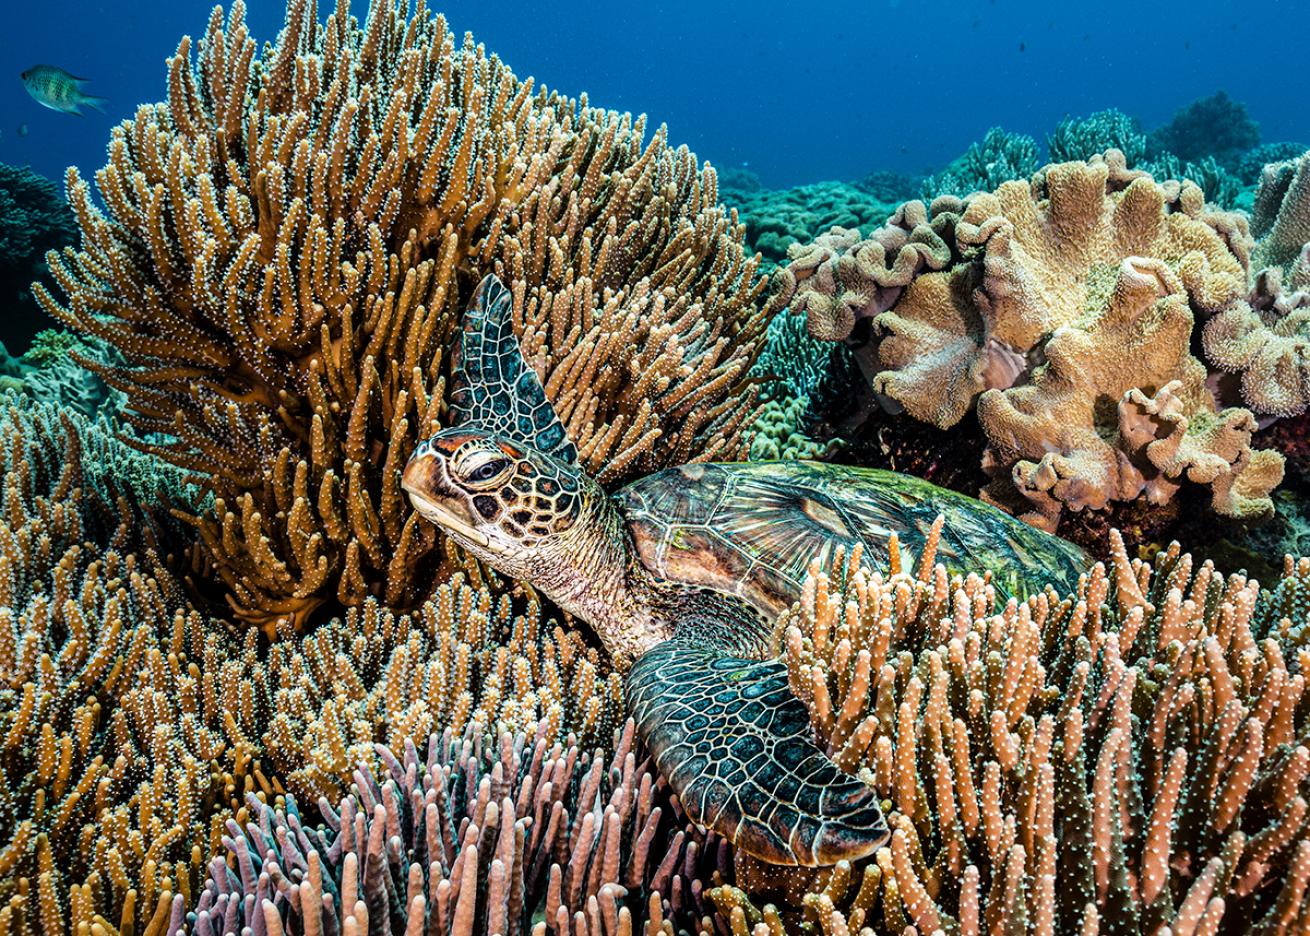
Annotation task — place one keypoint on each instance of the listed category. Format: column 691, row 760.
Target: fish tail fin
column 97, row 103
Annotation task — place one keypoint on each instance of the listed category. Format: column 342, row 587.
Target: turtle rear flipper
column 736, row 747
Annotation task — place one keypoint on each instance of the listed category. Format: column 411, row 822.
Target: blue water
column 797, row 91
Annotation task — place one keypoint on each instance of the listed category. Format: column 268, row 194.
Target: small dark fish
column 22, row 130
column 1022, row 46
column 52, row 87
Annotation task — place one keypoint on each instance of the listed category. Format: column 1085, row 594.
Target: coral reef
column 48, row 371
column 1255, row 159
column 114, row 753
column 480, row 836
column 34, row 218
column 286, row 245
column 1075, row 139
column 1267, row 339
column 999, row 157
column 1038, row 304
column 1215, row 126
column 1220, row 186
column 843, row 277
column 1129, row 758
column 463, row 656
column 777, row 219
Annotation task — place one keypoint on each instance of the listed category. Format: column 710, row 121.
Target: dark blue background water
column 800, row 91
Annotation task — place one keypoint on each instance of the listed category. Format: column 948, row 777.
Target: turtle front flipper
column 736, row 746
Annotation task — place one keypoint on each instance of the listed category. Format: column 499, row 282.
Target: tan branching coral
column 461, row 657
column 478, row 837
column 1061, row 310
column 1128, row 758
column 287, row 244
column 115, row 752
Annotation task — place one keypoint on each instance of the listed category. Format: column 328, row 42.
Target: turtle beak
column 424, row 480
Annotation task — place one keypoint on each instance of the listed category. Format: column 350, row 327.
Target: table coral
column 1119, row 760
column 287, row 244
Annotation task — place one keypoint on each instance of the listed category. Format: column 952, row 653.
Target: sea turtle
column 681, row 573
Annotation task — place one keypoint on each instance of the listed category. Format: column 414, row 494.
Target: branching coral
column 480, row 837
column 1129, row 758
column 115, row 751
column 461, row 657
column 1093, row 135
column 999, row 157
column 288, row 242
column 1063, row 308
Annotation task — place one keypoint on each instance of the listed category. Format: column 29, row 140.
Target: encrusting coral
column 288, row 241
column 1039, row 303
column 1125, row 759
column 480, row 836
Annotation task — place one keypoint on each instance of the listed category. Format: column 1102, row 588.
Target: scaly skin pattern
column 752, row 529
column 737, row 747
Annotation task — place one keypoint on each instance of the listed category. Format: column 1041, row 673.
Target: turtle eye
column 489, row 470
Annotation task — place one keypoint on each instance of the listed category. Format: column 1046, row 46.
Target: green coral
column 999, row 157
column 50, row 371
column 777, row 218
column 1086, row 137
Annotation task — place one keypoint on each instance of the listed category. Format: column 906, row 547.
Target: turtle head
column 505, row 481
column 495, row 496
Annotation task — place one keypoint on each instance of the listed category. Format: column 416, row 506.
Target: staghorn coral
column 1063, row 308
column 999, row 157
column 114, row 751
column 1090, row 136
column 485, row 835
column 1128, row 758
column 286, row 246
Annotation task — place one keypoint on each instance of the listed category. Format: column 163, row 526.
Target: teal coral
column 999, row 157
column 777, row 219
column 1087, row 137
column 50, row 371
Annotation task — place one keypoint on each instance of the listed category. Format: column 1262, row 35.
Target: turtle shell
column 752, row 529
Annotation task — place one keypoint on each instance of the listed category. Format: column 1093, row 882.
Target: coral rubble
column 287, row 242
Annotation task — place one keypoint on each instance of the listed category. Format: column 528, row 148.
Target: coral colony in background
column 246, row 687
